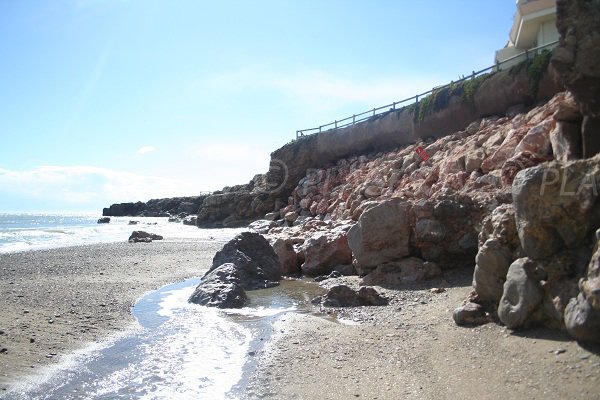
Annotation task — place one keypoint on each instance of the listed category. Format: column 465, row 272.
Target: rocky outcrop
column 257, row 263
column 104, row 220
column 345, row 296
column 220, row 288
column 247, row 262
column 156, row 207
column 144, row 237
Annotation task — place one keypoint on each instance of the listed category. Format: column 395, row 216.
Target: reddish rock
column 324, row 251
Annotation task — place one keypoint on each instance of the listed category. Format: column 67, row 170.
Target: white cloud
column 145, row 150
column 85, row 186
column 319, row 89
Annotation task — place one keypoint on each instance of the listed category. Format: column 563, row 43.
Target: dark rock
column 344, row 296
column 471, row 314
column 522, row 294
column 104, row 220
column 257, row 262
column 220, row 288
column 145, row 237
column 429, row 230
column 133, row 222
column 345, row 269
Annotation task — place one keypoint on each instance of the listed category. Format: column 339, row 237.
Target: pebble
column 560, row 351
column 3, row 350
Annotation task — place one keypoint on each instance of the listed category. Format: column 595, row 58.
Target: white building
column 534, row 26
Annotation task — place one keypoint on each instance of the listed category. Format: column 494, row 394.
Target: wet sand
column 55, row 301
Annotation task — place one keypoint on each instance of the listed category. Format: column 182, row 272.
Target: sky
column 108, row 101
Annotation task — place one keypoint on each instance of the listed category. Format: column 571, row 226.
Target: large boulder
column 144, row 237
column 382, row 234
column 492, row 263
column 553, row 205
column 582, row 314
column 220, row 288
column 258, row 265
column 324, row 251
column 522, row 294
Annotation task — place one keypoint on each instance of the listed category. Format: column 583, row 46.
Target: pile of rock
column 247, row 262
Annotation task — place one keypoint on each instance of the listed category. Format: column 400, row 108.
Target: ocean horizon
column 28, row 231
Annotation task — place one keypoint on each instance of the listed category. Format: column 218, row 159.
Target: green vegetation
column 440, row 98
column 536, row 69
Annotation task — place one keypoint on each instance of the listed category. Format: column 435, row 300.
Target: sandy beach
column 412, row 349
column 56, row 301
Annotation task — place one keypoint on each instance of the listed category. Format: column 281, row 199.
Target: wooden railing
column 364, row 116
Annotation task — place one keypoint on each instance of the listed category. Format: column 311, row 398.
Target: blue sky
column 106, row 101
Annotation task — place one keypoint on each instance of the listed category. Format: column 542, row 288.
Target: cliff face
column 487, row 96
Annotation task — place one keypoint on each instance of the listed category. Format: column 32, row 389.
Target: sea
column 176, row 350
column 37, row 231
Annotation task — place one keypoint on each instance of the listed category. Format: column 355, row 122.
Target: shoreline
column 59, row 300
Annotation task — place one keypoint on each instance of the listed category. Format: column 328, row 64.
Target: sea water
column 178, row 351
column 27, row 231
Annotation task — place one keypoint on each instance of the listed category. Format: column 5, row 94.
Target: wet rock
column 471, row 314
column 104, row 220
column 344, row 296
column 324, row 251
column 144, row 237
column 410, row 269
column 258, row 264
column 220, row 288
column 522, row 293
column 381, row 235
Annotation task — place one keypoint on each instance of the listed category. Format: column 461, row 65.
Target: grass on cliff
column 536, row 67
column 439, row 99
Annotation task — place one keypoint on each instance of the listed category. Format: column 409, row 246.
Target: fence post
column 473, row 76
column 353, row 119
column 416, row 98
column 320, row 128
column 297, row 135
column 394, row 106
column 336, row 124
column 373, row 112
column 526, row 54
